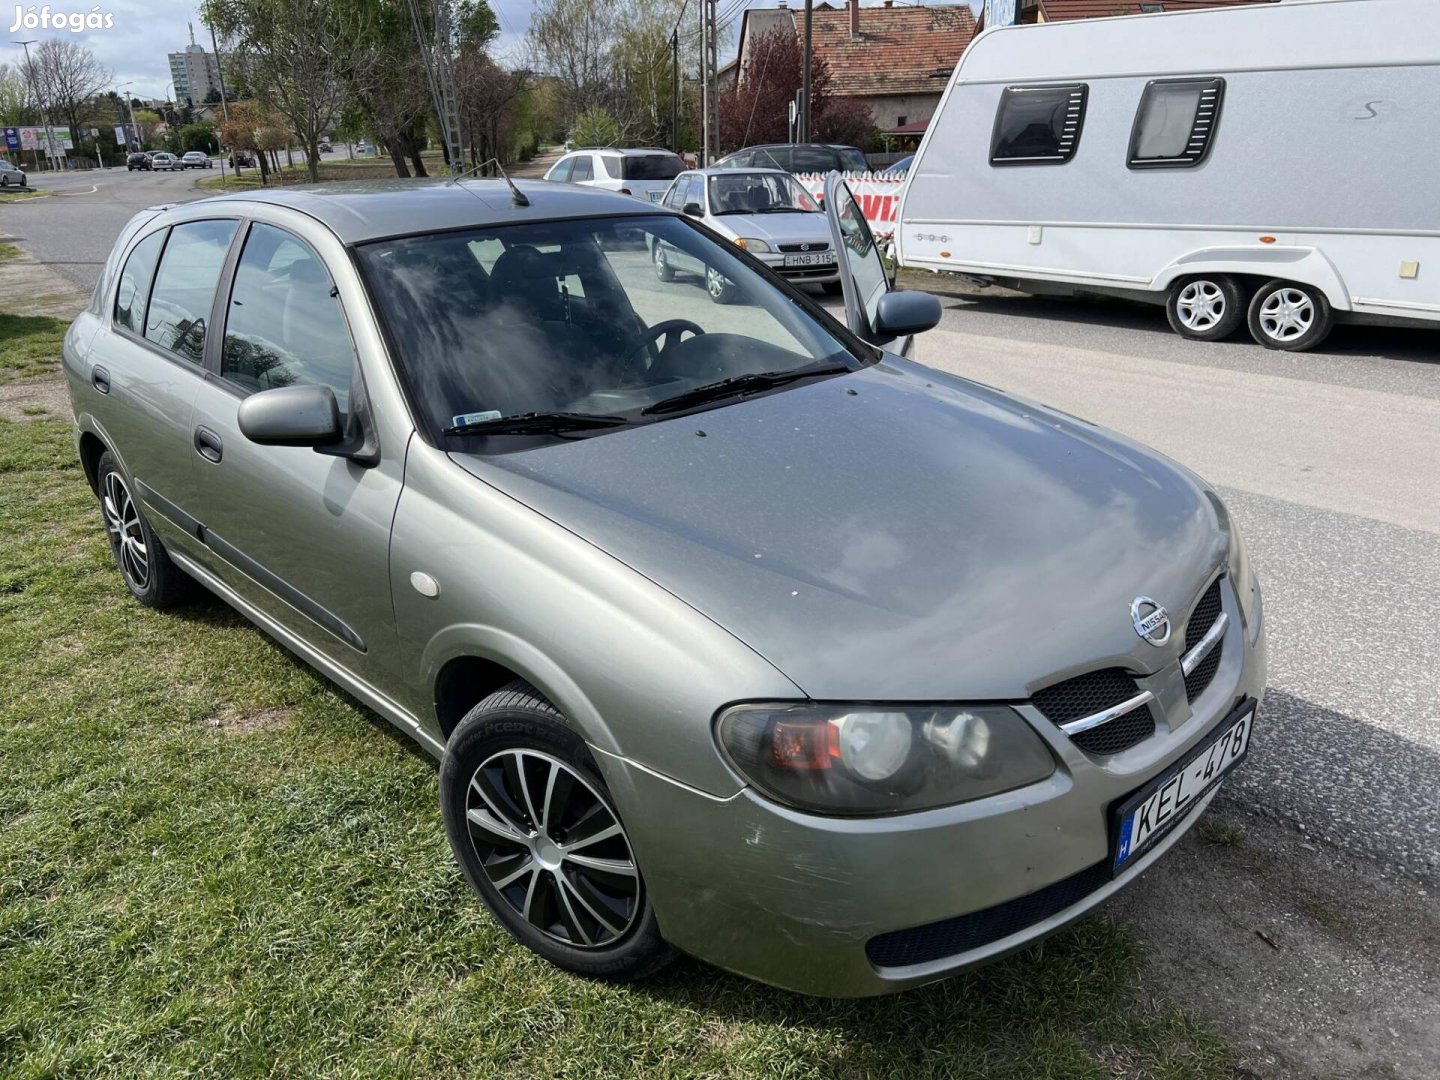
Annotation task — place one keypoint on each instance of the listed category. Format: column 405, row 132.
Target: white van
column 1276, row 164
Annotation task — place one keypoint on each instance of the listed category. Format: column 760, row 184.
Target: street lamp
column 50, row 154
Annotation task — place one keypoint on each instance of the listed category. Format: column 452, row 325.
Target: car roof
column 741, row 171
column 624, row 151
column 791, row 146
column 360, row 210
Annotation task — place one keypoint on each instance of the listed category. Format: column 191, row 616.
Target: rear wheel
column 663, row 270
column 144, row 565
column 1290, row 316
column 1206, row 308
column 535, row 831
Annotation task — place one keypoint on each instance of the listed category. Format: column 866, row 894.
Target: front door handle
column 208, row 443
column 100, row 379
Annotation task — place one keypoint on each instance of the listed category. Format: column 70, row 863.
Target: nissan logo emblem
column 1151, row 620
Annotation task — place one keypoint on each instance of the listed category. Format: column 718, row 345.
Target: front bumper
column 792, row 899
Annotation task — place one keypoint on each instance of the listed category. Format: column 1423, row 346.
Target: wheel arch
column 91, row 449
column 1257, row 265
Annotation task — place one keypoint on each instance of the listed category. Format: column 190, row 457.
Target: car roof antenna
column 516, row 195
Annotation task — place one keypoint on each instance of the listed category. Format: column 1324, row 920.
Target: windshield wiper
column 537, row 423
column 783, row 210
column 738, row 385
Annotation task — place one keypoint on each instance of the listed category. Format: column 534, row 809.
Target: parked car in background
column 138, row 160
column 764, row 211
column 167, row 161
column 797, row 158
column 241, row 159
column 899, row 169
column 644, row 172
column 325, row 147
column 735, row 632
column 12, row 175
column 194, row 159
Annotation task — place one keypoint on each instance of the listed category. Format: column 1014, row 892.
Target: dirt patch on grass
column 1316, row 963
column 234, row 721
column 40, row 398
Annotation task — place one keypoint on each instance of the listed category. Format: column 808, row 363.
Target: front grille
column 1203, row 617
column 1201, row 620
column 951, row 937
column 814, row 245
column 1119, row 734
column 1085, row 695
column 1093, row 692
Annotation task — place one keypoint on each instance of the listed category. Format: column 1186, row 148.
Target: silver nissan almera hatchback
column 734, row 631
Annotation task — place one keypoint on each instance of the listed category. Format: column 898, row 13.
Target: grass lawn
column 213, row 863
column 29, row 344
column 9, row 251
column 11, row 194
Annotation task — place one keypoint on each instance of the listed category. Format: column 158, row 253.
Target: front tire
column 663, row 270
column 1205, row 308
column 144, row 565
column 1290, row 316
column 537, row 835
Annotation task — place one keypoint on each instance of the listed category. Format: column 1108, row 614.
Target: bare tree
column 488, row 96
column 67, row 78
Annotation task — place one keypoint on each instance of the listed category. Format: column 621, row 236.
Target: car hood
column 776, row 228
column 892, row 534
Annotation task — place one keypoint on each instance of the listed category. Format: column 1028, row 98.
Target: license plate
column 655, row 195
column 1154, row 810
column 814, row 258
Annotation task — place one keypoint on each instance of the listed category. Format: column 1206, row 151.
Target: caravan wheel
column 1206, row 308
column 1290, row 316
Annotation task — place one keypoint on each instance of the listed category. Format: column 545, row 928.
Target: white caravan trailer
column 1277, row 164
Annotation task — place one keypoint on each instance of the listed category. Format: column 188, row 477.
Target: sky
column 144, row 32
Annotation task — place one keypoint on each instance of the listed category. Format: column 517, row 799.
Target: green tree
column 596, row 127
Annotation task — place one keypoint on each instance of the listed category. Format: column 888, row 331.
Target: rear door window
column 1175, row 123
column 135, row 282
column 1038, row 125
column 611, row 165
column 185, row 286
column 584, row 169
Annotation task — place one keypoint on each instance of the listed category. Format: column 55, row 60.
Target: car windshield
column 596, row 320
column 650, row 167
column 759, row 193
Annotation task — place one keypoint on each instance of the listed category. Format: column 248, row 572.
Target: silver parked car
column 12, row 175
column 734, row 631
column 767, row 212
column 195, row 159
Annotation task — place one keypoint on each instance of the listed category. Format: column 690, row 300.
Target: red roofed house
column 895, row 59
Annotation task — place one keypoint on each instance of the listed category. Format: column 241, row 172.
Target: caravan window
column 1175, row 123
column 1038, row 125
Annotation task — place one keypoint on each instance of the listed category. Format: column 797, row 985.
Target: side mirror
column 901, row 313
column 694, row 209
column 291, row 416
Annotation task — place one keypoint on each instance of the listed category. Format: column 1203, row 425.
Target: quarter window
column 1175, row 123
column 284, row 326
column 584, row 169
column 135, row 282
column 185, row 286
column 1038, row 125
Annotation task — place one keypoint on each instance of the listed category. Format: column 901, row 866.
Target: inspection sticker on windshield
column 1153, row 811
column 475, row 417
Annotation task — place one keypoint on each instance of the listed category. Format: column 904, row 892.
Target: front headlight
column 836, row 759
column 750, row 244
column 1247, row 588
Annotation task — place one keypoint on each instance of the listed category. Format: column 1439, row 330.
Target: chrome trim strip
column 1191, row 660
column 1085, row 723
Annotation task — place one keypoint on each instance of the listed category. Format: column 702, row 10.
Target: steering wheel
column 669, row 329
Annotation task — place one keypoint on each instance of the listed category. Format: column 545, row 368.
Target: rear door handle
column 100, row 379
column 208, row 443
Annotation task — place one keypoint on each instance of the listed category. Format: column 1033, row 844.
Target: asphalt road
column 1330, row 460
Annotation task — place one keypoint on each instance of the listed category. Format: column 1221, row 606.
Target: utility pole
column 805, row 79
column 675, row 88
column 50, row 154
column 440, row 72
column 220, row 70
column 709, row 65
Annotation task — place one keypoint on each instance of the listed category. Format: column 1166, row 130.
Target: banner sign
column 119, row 134
column 878, row 196
column 12, row 139
column 33, row 138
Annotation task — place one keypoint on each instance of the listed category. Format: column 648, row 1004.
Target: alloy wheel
column 122, row 522
column 714, row 282
column 662, row 266
column 1200, row 305
column 1286, row 314
column 553, row 849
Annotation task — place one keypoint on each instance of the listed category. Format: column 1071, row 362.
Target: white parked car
column 644, row 172
column 765, row 211
column 163, row 160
